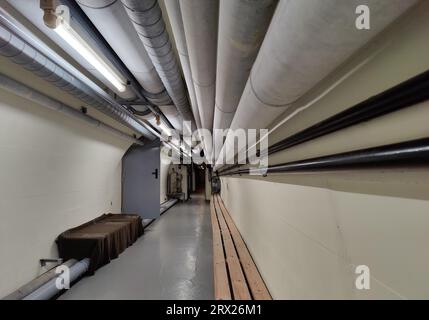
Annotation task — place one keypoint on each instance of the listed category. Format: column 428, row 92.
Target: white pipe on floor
column 28, row 288
column 49, row 289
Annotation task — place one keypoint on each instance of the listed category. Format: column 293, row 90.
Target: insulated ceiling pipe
column 80, row 22
column 173, row 116
column 111, row 20
column 176, row 21
column 146, row 17
column 200, row 20
column 175, row 16
column 305, row 42
column 242, row 28
column 43, row 100
column 23, row 53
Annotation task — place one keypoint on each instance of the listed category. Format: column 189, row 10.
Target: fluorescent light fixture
column 66, row 32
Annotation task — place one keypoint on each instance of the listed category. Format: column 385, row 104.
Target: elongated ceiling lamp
column 66, row 32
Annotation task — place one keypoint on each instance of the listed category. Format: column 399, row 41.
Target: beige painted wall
column 307, row 240
column 308, row 231
column 55, row 173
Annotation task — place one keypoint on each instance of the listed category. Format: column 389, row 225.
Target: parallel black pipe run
column 406, row 94
column 403, row 95
column 414, row 152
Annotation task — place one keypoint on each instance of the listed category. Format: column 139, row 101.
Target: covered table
column 101, row 239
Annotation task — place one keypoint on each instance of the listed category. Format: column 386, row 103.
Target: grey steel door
column 140, row 181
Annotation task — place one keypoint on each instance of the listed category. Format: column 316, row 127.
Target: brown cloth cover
column 101, row 239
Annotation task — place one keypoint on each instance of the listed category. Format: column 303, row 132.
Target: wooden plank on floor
column 238, row 281
column 221, row 280
column 256, row 283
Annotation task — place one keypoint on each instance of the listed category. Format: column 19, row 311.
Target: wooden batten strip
column 221, row 280
column 256, row 283
column 238, row 281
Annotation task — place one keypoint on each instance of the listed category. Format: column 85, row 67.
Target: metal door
column 140, row 181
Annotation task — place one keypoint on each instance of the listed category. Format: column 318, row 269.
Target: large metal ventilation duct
column 111, row 20
column 242, row 28
column 146, row 17
column 175, row 17
column 305, row 42
column 18, row 50
column 200, row 20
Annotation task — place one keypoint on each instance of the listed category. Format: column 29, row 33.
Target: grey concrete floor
column 172, row 260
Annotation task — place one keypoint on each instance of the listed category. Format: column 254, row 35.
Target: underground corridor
column 225, row 152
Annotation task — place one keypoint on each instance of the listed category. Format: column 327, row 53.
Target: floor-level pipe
column 28, row 288
column 49, row 289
